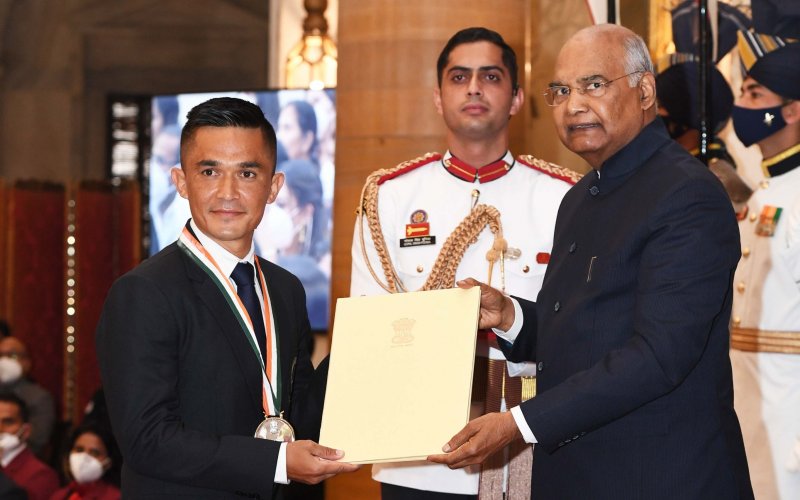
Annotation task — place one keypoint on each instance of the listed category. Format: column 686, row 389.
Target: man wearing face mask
column 18, row 462
column 15, row 366
column 765, row 323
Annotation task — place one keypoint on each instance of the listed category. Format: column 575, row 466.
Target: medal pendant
column 768, row 221
column 275, row 428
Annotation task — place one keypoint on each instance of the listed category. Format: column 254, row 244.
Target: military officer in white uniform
column 765, row 323
column 486, row 202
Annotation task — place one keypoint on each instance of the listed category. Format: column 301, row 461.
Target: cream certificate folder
column 400, row 375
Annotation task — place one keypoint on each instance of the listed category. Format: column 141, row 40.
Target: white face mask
column 85, row 468
column 9, row 442
column 10, row 370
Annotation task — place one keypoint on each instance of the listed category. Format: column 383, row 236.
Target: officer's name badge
column 417, row 241
column 768, row 220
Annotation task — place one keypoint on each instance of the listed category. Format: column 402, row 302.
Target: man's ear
column 277, row 183
column 25, row 431
column 179, row 179
column 437, row 99
column 791, row 112
column 517, row 99
column 647, row 89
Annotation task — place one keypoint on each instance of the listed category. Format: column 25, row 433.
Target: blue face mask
column 754, row 125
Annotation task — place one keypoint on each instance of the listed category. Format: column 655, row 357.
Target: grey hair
column 637, row 59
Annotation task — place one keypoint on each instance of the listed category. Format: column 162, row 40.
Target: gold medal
column 275, row 428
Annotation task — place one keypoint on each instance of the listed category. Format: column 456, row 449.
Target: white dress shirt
column 511, row 336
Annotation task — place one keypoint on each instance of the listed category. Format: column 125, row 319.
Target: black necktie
column 243, row 275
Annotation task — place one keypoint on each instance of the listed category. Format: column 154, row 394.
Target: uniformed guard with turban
column 678, row 91
column 765, row 329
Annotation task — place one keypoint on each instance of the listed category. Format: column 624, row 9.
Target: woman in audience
column 92, row 465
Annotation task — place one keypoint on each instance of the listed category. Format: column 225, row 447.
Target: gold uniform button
column 420, row 269
column 764, row 184
column 746, row 252
column 526, row 269
column 740, row 287
column 753, row 217
column 737, row 321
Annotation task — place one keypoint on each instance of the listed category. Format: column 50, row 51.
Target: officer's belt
column 755, row 340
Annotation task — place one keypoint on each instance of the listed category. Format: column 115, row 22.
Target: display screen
column 296, row 230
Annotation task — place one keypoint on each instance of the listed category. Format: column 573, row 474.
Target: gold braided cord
column 442, row 274
column 368, row 209
column 564, row 173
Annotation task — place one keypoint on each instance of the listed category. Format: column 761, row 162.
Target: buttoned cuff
column 281, row 475
column 511, row 335
column 519, row 418
column 523, row 369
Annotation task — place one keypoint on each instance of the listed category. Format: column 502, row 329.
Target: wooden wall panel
column 34, row 279
column 3, row 250
column 35, row 265
column 107, row 244
column 550, row 24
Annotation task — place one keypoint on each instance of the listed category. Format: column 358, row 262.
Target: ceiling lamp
column 311, row 63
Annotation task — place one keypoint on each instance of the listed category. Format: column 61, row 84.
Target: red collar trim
column 486, row 173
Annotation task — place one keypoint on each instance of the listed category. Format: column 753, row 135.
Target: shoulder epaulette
column 565, row 174
column 408, row 166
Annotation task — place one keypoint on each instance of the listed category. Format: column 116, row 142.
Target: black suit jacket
column 184, row 387
column 9, row 490
column 630, row 331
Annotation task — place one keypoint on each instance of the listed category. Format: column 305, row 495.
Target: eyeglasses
column 557, row 94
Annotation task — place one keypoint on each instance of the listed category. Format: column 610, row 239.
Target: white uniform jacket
column 527, row 195
column 765, row 336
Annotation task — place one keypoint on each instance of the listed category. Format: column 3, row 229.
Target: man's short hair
column 228, row 112
column 8, row 397
column 637, row 59
column 473, row 35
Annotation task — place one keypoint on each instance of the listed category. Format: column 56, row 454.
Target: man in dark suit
column 189, row 369
column 17, row 461
column 630, row 329
column 9, row 490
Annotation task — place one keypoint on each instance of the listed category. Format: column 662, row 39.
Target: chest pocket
column 604, row 273
column 414, row 264
column 610, row 301
column 524, row 275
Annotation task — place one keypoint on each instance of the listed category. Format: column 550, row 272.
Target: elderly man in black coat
column 630, row 329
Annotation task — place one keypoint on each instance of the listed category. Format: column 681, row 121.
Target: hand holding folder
column 400, row 375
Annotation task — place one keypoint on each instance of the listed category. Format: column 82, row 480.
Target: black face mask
column 674, row 128
column 754, row 125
